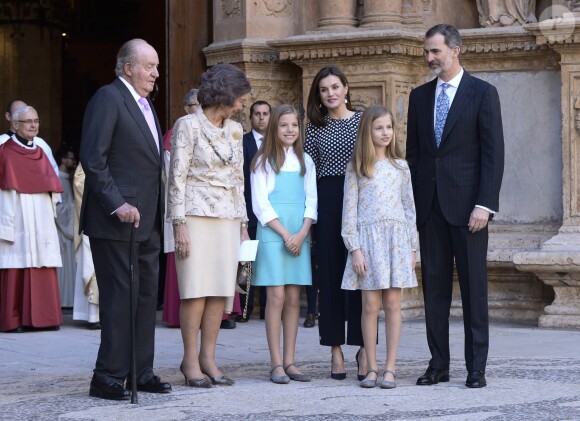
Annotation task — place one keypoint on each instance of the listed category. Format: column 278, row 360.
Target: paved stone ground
column 533, row 374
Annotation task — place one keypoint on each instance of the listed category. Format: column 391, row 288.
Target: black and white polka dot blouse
column 331, row 146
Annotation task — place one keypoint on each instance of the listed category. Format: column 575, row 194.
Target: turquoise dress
column 274, row 264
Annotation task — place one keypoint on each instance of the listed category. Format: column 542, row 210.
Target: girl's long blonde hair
column 363, row 158
column 272, row 151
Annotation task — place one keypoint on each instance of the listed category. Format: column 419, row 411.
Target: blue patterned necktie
column 442, row 108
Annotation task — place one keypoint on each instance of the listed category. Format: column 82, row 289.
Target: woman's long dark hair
column 315, row 109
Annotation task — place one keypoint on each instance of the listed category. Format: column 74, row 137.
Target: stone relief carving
column 275, row 8
column 402, row 91
column 241, row 55
column 426, row 5
column 506, row 12
column 232, row 8
column 276, row 93
column 577, row 115
column 361, row 98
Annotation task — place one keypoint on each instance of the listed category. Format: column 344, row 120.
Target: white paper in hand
column 248, row 250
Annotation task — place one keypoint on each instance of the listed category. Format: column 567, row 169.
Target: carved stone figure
column 506, row 12
column 577, row 115
column 232, row 8
column 275, row 8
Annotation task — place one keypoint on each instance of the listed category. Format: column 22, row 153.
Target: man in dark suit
column 259, row 118
column 120, row 153
column 455, row 150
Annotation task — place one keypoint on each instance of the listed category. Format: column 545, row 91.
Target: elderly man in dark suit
column 455, row 150
column 120, row 153
column 259, row 118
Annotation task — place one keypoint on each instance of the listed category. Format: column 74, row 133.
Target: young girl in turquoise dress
column 379, row 231
column 284, row 199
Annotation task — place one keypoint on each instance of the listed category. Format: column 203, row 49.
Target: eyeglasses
column 29, row 122
column 191, row 105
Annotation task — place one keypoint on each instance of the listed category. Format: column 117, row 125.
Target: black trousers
column 442, row 244
column 111, row 259
column 312, row 291
column 335, row 304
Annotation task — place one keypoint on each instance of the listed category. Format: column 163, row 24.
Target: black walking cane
column 132, row 292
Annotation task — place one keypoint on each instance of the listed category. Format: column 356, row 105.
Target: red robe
column 28, row 296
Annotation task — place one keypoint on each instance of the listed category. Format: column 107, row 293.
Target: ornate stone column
column 337, row 13
column 557, row 262
column 381, row 13
column 241, row 29
column 412, row 14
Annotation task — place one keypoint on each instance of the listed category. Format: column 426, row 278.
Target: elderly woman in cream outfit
column 208, row 211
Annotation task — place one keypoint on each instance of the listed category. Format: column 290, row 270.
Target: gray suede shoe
column 297, row 377
column 278, row 379
column 385, row 384
column 368, row 383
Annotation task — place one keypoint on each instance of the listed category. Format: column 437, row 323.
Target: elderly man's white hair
column 21, row 110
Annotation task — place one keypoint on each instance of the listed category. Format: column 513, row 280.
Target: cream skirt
column 210, row 270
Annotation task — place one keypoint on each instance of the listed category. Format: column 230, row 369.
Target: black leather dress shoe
column 228, row 324
column 476, row 379
column 153, row 385
column 112, row 391
column 433, row 376
column 310, row 320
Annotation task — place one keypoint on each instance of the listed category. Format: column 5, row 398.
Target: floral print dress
column 378, row 218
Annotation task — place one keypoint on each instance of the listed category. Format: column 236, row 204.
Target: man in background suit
column 120, row 153
column 455, row 150
column 259, row 118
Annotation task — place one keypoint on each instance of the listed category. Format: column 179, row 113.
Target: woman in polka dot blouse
column 330, row 137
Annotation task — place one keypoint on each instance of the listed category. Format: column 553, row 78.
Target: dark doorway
column 97, row 28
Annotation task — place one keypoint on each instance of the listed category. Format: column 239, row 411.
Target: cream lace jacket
column 206, row 177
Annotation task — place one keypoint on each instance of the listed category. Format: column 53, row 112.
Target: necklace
column 213, row 133
column 224, row 161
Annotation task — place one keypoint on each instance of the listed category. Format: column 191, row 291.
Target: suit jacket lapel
column 462, row 97
column 139, row 118
column 430, row 112
column 254, row 147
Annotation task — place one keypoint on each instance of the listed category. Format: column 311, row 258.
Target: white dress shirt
column 258, row 138
column 264, row 182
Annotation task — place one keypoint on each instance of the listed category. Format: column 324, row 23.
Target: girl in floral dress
column 379, row 231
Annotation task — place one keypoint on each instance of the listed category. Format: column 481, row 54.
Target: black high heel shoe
column 337, row 376
column 360, row 377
